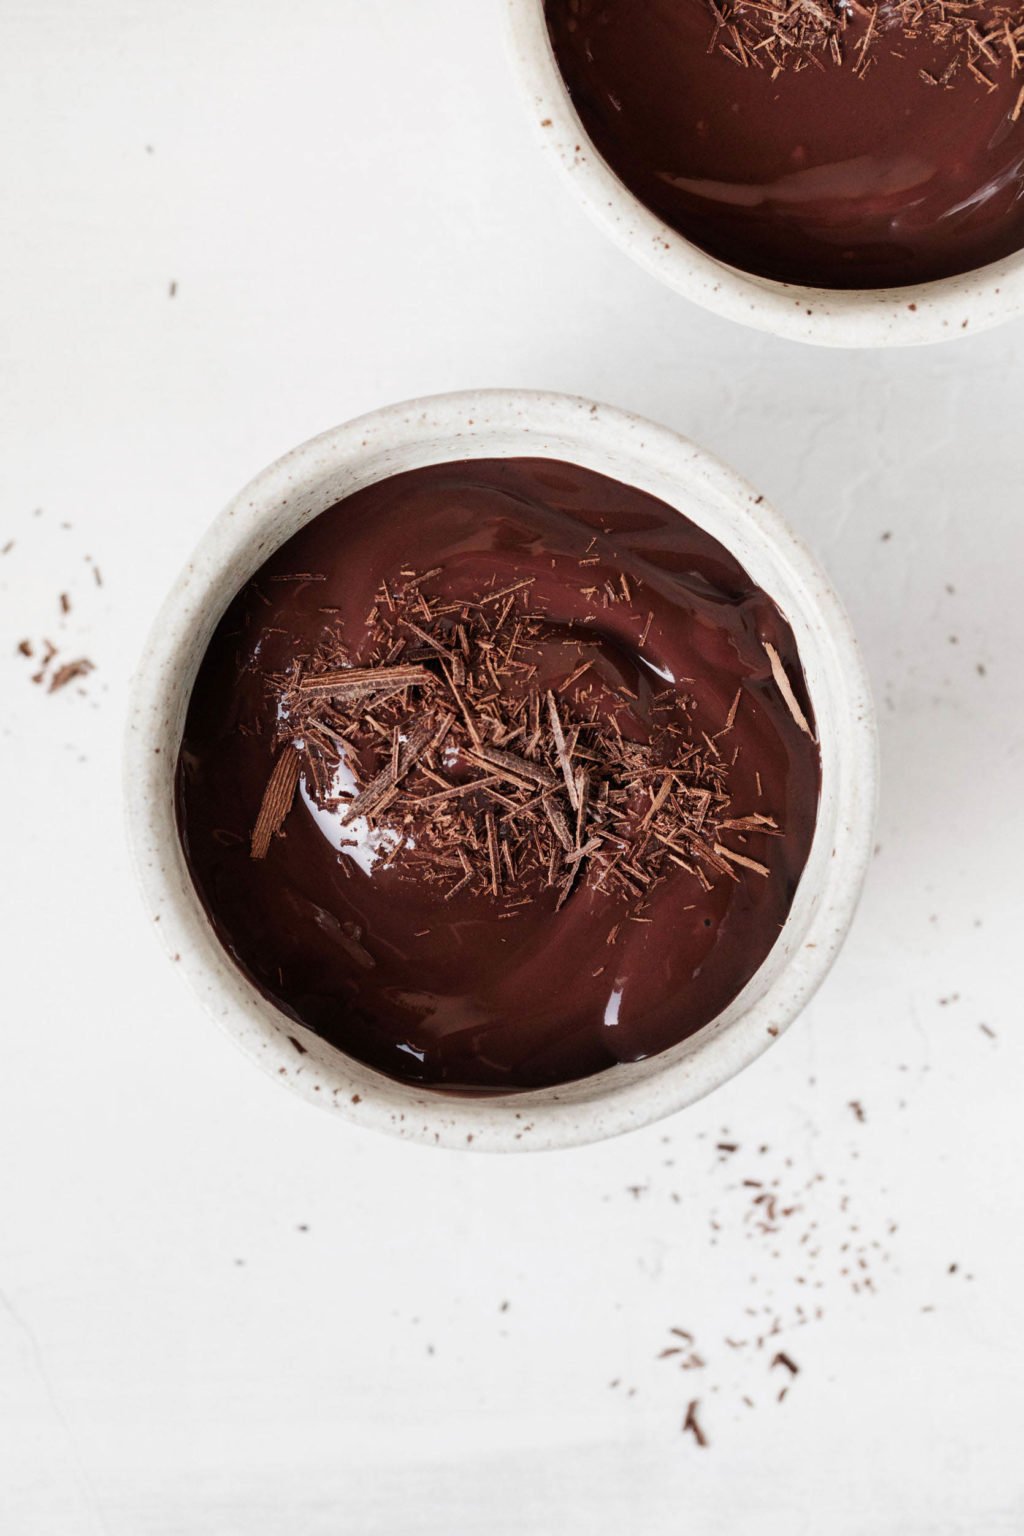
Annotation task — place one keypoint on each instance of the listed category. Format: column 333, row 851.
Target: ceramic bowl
column 866, row 317
column 492, row 424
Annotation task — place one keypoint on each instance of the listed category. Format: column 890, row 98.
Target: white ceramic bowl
column 474, row 425
column 866, row 317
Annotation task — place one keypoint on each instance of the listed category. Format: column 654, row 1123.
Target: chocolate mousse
column 835, row 143
column 499, row 773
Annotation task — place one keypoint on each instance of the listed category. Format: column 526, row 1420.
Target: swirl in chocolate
column 499, row 773
column 841, row 145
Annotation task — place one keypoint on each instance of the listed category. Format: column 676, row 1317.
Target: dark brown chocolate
column 537, row 969
column 845, row 145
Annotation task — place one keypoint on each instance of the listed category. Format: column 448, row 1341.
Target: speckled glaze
column 880, row 317
column 477, row 425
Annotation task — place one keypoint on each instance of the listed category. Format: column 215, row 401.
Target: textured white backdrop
column 221, row 1313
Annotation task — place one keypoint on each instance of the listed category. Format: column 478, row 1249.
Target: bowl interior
column 322, row 472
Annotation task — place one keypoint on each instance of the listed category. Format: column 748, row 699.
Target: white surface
column 491, row 424
column 373, row 159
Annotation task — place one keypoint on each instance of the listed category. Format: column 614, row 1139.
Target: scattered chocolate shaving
column 68, row 672
column 691, row 1424
column 362, row 682
column 785, row 687
column 781, row 1358
column 776, row 35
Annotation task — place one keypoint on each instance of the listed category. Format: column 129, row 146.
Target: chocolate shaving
column 563, row 755
column 492, row 597
column 355, row 683
column 559, row 825
column 277, row 802
column 574, row 677
column 730, row 719
column 381, row 788
column 492, row 852
column 739, row 858
column 691, row 1424
column 519, row 768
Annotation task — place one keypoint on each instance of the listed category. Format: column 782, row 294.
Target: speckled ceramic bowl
column 879, row 317
column 477, row 425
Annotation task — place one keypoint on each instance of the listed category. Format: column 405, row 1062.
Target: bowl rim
column 916, row 315
column 266, row 512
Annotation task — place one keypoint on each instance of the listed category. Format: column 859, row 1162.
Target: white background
column 221, row 1312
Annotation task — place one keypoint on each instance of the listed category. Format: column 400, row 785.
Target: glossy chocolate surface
column 826, row 173
column 446, row 992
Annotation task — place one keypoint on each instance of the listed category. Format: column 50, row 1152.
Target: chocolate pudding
column 499, row 773
column 842, row 145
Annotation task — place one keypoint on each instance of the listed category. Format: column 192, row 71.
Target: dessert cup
column 488, row 424
column 826, row 317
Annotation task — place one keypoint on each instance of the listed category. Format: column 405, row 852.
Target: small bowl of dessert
column 501, row 771
column 846, row 174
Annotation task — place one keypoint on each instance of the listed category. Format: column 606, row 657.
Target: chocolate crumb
column 277, row 802
column 691, row 1424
